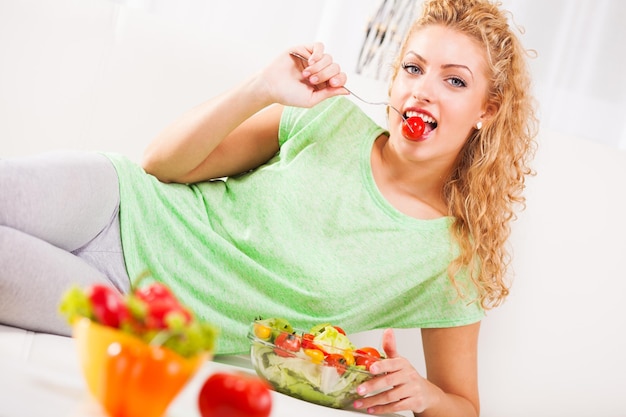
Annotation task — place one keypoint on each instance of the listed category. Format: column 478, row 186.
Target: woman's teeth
column 424, row 117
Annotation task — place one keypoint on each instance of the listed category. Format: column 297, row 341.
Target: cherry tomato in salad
column 107, row 305
column 366, row 356
column 349, row 357
column 262, row 331
column 413, row 128
column 307, row 341
column 338, row 361
column 225, row 394
column 316, row 355
column 366, row 361
column 369, row 351
column 340, row 330
column 287, row 343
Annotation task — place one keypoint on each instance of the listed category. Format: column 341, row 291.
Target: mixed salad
column 321, row 365
column 150, row 312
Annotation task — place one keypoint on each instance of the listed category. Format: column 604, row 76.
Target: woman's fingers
column 397, row 386
column 389, row 343
column 303, row 76
column 390, row 372
column 320, row 70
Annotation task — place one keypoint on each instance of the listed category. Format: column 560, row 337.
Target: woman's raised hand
column 294, row 81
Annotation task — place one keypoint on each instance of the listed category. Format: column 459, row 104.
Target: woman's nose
column 422, row 89
column 420, row 96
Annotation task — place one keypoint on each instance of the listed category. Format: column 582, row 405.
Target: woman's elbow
column 152, row 165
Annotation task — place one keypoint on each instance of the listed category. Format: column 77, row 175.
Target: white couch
column 97, row 75
column 40, row 376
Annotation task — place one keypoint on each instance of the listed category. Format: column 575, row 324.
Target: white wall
column 97, row 75
column 93, row 74
column 556, row 347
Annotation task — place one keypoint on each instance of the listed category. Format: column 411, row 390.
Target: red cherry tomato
column 160, row 302
column 307, row 341
column 413, row 128
column 234, row 395
column 108, row 305
column 338, row 361
column 159, row 310
column 366, row 356
column 286, row 343
column 369, row 351
column 155, row 292
column 340, row 330
column 366, row 361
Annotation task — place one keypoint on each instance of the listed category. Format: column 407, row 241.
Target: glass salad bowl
column 320, row 366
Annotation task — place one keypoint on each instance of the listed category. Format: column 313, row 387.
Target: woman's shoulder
column 329, row 114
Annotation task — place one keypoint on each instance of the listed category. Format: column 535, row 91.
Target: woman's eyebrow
column 459, row 66
column 445, row 66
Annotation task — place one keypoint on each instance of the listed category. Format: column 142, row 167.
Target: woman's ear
column 490, row 110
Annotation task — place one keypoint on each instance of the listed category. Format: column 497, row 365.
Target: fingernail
column 370, row 410
column 314, row 79
column 360, row 390
column 374, row 369
column 357, row 404
column 305, row 74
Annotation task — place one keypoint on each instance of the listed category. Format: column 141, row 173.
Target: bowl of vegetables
column 136, row 351
column 320, row 365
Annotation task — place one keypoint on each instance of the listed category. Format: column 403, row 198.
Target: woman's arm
column 451, row 386
column 238, row 130
column 452, row 366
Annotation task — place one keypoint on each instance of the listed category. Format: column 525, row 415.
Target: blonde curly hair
column 485, row 186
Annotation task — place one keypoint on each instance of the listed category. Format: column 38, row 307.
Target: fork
column 374, row 103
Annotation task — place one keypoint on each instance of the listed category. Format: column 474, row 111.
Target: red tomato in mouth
column 413, row 128
column 226, row 394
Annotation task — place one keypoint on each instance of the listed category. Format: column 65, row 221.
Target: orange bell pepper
column 128, row 377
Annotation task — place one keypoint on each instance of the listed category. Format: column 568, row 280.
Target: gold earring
column 479, row 125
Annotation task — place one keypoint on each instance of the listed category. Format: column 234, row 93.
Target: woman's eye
column 411, row 68
column 457, row 82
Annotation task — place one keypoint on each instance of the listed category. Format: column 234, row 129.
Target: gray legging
column 59, row 226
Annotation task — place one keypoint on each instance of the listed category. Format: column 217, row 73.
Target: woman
column 324, row 216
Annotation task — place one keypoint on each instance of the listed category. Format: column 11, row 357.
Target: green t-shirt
column 307, row 237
